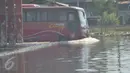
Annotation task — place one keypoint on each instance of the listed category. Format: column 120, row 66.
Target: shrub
column 109, row 19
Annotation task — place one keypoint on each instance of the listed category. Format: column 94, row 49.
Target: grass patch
column 125, row 29
column 110, row 31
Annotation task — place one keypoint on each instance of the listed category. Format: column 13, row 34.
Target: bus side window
column 52, row 16
column 62, row 16
column 71, row 17
column 43, row 16
column 38, row 16
column 24, row 17
column 31, row 16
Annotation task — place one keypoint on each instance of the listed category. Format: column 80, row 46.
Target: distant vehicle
column 93, row 20
column 53, row 23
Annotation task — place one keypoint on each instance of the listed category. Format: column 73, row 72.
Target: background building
column 124, row 12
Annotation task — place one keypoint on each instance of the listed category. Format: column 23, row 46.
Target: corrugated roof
column 124, row 2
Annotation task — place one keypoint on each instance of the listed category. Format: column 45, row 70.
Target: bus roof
column 35, row 6
column 30, row 5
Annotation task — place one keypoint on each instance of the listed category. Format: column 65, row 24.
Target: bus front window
column 82, row 17
column 84, row 24
column 71, row 17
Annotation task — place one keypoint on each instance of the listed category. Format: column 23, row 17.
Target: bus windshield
column 83, row 19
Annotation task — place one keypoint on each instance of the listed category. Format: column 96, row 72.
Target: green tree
column 104, row 5
column 107, row 11
column 110, row 19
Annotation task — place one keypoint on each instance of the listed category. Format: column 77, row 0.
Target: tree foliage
column 109, row 19
column 107, row 11
column 104, row 5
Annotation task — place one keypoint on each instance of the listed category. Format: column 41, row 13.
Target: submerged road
column 57, row 57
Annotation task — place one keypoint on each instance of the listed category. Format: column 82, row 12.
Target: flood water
column 111, row 55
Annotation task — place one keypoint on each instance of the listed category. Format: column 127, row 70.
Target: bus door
column 72, row 24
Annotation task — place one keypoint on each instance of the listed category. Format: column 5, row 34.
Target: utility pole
column 3, row 32
column 11, row 23
column 118, row 41
column 11, row 27
column 19, row 21
column 117, row 9
column 77, row 3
